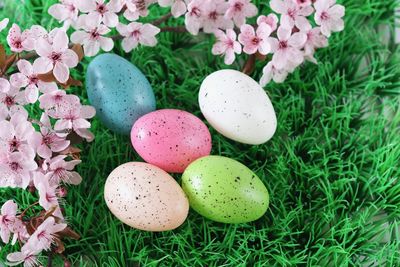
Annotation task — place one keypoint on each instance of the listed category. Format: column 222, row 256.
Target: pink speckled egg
column 171, row 139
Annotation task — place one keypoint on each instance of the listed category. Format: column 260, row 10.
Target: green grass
column 331, row 169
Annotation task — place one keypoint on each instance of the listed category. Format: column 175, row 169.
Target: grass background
column 331, row 169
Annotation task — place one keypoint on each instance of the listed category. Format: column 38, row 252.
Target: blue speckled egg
column 119, row 91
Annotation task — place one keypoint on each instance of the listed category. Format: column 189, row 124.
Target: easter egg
column 145, row 197
column 224, row 190
column 237, row 107
column 171, row 139
column 119, row 91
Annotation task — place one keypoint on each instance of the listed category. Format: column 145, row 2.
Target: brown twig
column 28, row 208
column 179, row 29
column 162, row 19
column 250, row 65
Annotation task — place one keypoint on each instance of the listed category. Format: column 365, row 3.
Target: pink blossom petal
column 79, row 37
column 43, row 65
column 63, row 125
column 9, row 208
column 70, row 165
column 337, row 11
column 43, row 48
column 91, row 48
column 60, row 145
column 303, row 23
column 287, row 22
column 284, row 33
column 178, row 8
column 279, row 59
column 32, row 94
column 70, row 58
column 106, row 44
column 44, row 152
column 47, row 87
column 128, row 44
column 6, row 130
column 81, row 124
column 25, row 67
column 86, row 6
column 59, row 12
column 4, row 23
column 18, row 80
column 298, row 40
column 87, row 112
column 278, row 6
column 61, row 72
column 60, row 41
column 74, row 178
column 85, row 133
column 4, row 85
column 110, row 19
column 229, row 57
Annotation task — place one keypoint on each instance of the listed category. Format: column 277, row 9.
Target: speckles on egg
column 119, row 91
column 171, row 139
column 145, row 197
column 225, row 190
column 237, row 107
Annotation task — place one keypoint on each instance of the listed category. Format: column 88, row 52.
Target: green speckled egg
column 224, row 190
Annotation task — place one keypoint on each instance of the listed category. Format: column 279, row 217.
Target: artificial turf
column 331, row 168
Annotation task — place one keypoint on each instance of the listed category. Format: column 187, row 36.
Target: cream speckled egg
column 145, row 197
column 237, row 107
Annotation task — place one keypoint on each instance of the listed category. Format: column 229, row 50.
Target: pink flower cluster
column 34, row 153
column 290, row 35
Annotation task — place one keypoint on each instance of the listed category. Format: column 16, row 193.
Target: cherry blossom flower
column 19, row 41
column 178, row 7
column 254, row 41
column 7, row 219
column 227, row 45
column 28, row 77
column 73, row 118
column 271, row 20
column 27, row 256
column 270, row 72
column 214, row 19
column 47, row 141
column 100, row 11
column 66, row 11
column 16, row 134
column 4, row 85
column 56, row 57
column 315, row 39
column 240, row 10
column 137, row 33
column 12, row 102
column 3, row 24
column 44, row 235
column 54, row 101
column 286, row 48
column 92, row 37
column 48, row 198
column 194, row 18
column 136, row 9
column 329, row 16
column 292, row 13
column 59, row 170
column 19, row 166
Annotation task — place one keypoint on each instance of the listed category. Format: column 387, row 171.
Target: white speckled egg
column 145, row 197
column 237, row 107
